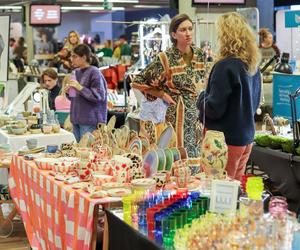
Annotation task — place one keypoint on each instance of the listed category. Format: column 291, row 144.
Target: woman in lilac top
column 89, row 105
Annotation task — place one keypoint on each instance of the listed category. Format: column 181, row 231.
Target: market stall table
column 55, row 215
column 16, row 142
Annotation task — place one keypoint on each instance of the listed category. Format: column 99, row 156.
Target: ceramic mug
column 120, row 167
column 52, row 148
column 31, row 143
column 160, row 179
column 182, row 176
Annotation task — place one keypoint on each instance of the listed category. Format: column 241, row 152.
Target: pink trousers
column 237, row 160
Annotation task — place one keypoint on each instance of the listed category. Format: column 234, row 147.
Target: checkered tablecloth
column 55, row 216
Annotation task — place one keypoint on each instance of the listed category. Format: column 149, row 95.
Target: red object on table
column 55, row 215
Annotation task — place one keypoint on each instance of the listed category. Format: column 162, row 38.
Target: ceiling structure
column 115, row 3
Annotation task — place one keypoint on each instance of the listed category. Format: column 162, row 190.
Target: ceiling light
column 88, row 8
column 110, row 1
column 10, row 7
column 147, row 6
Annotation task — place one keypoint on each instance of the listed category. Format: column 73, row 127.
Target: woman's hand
column 73, row 84
column 168, row 99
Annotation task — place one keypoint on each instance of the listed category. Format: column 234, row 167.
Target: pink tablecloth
column 55, row 216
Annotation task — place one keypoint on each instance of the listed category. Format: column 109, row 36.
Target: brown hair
column 83, row 50
column 50, row 73
column 263, row 34
column 175, row 22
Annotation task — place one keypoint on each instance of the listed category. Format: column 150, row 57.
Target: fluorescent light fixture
column 63, row 8
column 295, row 7
column 10, row 7
column 110, row 1
column 147, row 6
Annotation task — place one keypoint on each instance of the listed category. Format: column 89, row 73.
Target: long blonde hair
column 237, row 39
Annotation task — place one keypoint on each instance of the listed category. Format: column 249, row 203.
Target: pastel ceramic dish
column 45, row 163
column 145, row 184
column 160, row 179
column 150, row 163
column 18, row 131
column 55, row 128
column 176, row 154
column 47, row 129
column 169, row 159
column 64, row 167
column 161, row 159
column 31, row 143
column 100, row 179
column 165, row 137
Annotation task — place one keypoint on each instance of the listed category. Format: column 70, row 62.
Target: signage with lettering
column 224, row 196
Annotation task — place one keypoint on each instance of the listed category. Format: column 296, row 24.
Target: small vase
column 214, row 153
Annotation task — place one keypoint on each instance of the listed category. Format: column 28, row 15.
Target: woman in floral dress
column 173, row 76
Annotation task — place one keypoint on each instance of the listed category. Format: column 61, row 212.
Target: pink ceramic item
column 84, row 174
column 64, row 167
column 120, row 167
column 182, row 176
column 99, row 179
column 45, row 163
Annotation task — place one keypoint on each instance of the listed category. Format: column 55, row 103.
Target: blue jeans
column 79, row 130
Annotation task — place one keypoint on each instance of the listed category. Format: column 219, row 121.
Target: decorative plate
column 165, row 137
column 135, row 146
column 169, row 159
column 111, row 123
column 161, row 159
column 145, row 144
column 79, row 185
column 111, row 185
column 150, row 163
column 143, row 182
column 119, row 192
column 98, row 194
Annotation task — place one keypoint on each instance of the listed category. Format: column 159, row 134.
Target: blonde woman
column 61, row 101
column 232, row 95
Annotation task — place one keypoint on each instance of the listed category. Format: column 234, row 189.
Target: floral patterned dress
column 180, row 83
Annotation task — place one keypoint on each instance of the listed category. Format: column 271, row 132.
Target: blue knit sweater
column 89, row 107
column 231, row 99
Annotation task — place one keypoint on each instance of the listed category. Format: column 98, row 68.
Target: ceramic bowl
column 19, row 131
column 52, row 148
column 145, row 184
column 99, row 178
column 64, row 167
column 85, row 174
column 160, row 179
column 47, row 129
column 55, row 128
column 35, row 131
column 31, row 143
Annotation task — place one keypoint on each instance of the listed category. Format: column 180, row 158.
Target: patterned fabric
column 184, row 78
column 55, row 215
